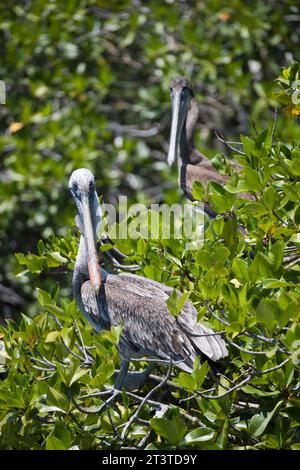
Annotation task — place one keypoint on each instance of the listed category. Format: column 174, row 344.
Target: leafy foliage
column 289, row 82
column 85, row 88
column 59, row 370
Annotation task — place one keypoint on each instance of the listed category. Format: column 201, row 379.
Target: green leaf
column 53, row 443
column 256, row 208
column 103, row 374
column 240, row 270
column 41, row 247
column 52, row 336
column 63, row 434
column 186, row 381
column 198, row 191
column 295, row 238
column 55, row 259
column 204, row 259
column 261, row 268
column 248, row 145
column 268, row 312
column 172, row 430
column 77, row 375
column 172, row 303
column 199, row 435
column 297, row 216
column 43, row 297
column 252, row 180
column 199, row 374
column 221, row 254
column 276, row 254
column 58, row 399
column 270, row 198
column 275, row 283
column 55, row 310
column 259, row 422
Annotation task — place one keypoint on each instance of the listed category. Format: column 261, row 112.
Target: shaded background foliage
column 87, row 85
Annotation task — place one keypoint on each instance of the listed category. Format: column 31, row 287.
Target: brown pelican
column 193, row 165
column 138, row 304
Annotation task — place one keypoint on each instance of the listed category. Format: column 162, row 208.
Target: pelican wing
column 140, row 306
column 147, row 324
column 91, row 309
column 202, row 337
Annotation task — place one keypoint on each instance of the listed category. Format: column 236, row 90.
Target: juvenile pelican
column 192, row 164
column 136, row 303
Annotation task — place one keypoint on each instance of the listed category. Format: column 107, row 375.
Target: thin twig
column 144, row 439
column 43, row 362
column 124, row 267
column 243, row 382
column 116, row 432
column 159, row 361
column 44, row 369
column 245, row 333
column 280, row 219
column 97, row 394
column 72, row 352
column 88, row 358
column 218, row 333
column 274, row 125
column 232, row 389
column 279, row 366
column 245, row 350
column 164, row 407
column 101, row 407
column 225, row 142
column 255, row 128
column 146, row 398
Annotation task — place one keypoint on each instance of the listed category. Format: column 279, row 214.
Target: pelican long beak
column 88, row 233
column 179, row 112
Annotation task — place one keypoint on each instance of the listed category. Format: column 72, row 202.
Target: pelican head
column 181, row 94
column 82, row 188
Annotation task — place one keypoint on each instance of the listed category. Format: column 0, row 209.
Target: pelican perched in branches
column 138, row 304
column 192, row 164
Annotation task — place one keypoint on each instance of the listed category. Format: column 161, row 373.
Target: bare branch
column 279, row 366
column 164, row 407
column 48, row 365
column 115, row 394
column 88, row 358
column 230, row 390
column 245, row 350
column 274, row 125
column 218, row 333
column 146, row 398
column 245, row 333
column 225, row 142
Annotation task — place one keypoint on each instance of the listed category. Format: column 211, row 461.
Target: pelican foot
column 134, row 380
column 121, row 375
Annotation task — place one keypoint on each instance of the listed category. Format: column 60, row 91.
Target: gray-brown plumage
column 192, row 164
column 138, row 304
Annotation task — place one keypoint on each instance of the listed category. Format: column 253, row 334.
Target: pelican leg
column 121, row 375
column 136, row 380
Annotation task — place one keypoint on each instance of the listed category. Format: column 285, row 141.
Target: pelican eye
column 75, row 191
column 91, row 189
column 73, row 188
